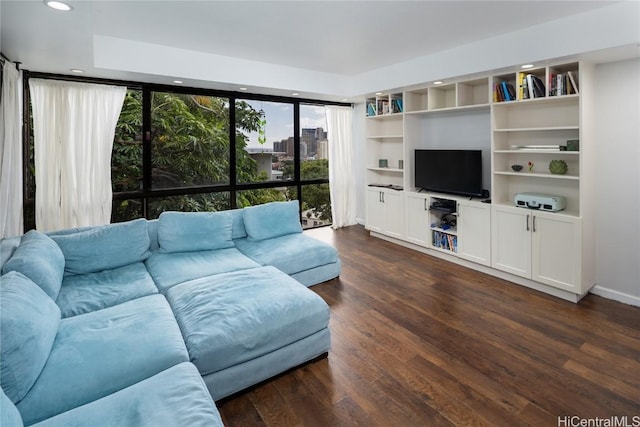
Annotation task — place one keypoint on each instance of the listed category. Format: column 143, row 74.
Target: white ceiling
column 337, row 37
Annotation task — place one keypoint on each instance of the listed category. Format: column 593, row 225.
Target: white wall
column 617, row 99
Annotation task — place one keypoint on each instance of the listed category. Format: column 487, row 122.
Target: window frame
column 147, row 193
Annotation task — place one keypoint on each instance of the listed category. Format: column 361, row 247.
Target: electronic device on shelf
column 543, row 202
column 449, row 171
column 443, row 205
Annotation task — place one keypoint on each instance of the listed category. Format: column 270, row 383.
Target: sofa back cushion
column 9, row 414
column 29, row 322
column 238, row 231
column 40, row 259
column 105, row 247
column 272, row 220
column 194, row 231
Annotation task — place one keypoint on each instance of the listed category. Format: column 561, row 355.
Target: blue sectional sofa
column 150, row 322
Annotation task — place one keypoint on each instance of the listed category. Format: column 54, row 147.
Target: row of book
column 531, row 86
column 503, row 91
column 445, row 241
column 383, row 106
column 563, row 84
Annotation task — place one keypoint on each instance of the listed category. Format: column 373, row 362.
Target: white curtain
column 342, row 185
column 10, row 152
column 74, row 126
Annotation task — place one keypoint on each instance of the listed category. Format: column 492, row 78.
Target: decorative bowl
column 558, row 167
column 516, row 168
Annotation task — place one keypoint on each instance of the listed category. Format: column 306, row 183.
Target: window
column 264, row 141
column 189, row 140
column 126, row 157
column 205, row 202
column 204, row 150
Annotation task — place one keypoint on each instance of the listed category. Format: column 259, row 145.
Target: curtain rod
column 17, row 64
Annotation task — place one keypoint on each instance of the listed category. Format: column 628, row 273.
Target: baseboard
column 360, row 221
column 615, row 295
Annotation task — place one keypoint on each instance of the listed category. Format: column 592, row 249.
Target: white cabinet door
column 385, row 212
column 474, row 232
column 393, row 202
column 375, row 210
column 417, row 218
column 511, row 240
column 556, row 257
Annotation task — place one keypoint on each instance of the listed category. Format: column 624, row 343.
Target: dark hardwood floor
column 417, row 341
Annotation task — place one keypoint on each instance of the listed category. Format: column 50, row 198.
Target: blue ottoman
column 246, row 326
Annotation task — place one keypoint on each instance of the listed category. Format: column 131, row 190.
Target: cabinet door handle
column 458, row 210
column 425, row 205
column 527, row 222
column 534, row 223
column 382, row 197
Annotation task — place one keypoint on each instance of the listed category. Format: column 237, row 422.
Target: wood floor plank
column 420, row 341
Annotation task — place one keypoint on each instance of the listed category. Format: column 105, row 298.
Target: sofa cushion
column 9, row 414
column 234, row 317
column 174, row 397
column 102, row 352
column 170, row 269
column 238, row 231
column 29, row 322
column 272, row 220
column 104, row 247
column 194, row 231
column 83, row 293
column 291, row 254
column 40, row 259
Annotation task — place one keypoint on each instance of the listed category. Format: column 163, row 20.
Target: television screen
column 449, row 171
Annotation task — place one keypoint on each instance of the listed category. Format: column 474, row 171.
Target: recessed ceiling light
column 58, row 5
column 378, row 93
column 525, row 66
column 295, row 94
column 177, row 81
column 243, row 88
column 438, row 82
column 76, row 70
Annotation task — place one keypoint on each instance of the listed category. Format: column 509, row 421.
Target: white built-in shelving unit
column 550, row 251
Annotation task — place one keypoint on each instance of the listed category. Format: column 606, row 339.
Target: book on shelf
column 522, row 86
column 444, row 240
column 383, row 106
column 371, row 109
column 503, row 91
column 573, row 78
column 562, row 84
column 396, row 105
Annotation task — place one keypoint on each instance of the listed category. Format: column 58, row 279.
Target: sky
column 280, row 121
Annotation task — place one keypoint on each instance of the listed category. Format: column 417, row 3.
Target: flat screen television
column 449, row 171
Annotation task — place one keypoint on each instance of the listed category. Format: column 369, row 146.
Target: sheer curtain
column 74, row 126
column 342, row 186
column 10, row 153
